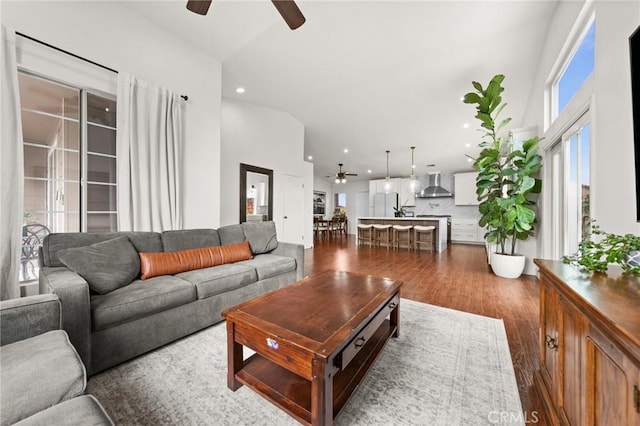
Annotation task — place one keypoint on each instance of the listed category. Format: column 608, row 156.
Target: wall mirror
column 256, row 194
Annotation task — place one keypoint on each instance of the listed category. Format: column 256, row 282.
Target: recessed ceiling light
column 465, row 125
column 240, row 90
column 369, row 171
column 310, row 157
column 107, row 109
column 346, row 150
column 469, row 160
column 468, row 145
column 461, row 98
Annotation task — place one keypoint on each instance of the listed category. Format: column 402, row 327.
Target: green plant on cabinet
column 601, row 248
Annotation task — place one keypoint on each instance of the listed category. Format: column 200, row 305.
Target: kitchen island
column 439, row 222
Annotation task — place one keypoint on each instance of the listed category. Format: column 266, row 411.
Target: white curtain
column 149, row 144
column 11, row 169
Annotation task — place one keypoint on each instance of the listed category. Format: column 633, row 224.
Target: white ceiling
column 371, row 75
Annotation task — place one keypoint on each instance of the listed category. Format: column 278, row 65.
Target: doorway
column 293, row 209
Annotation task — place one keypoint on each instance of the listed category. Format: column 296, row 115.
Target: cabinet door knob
column 551, row 342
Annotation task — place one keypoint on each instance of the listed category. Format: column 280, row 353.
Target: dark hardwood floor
column 459, row 278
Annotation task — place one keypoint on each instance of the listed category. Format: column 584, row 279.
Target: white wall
column 613, row 155
column 612, row 165
column 267, row 138
column 115, row 36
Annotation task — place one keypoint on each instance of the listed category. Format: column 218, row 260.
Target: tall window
column 570, row 188
column 576, row 71
column 69, row 163
column 577, row 186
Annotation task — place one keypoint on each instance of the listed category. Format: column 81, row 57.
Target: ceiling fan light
column 337, row 180
column 344, row 180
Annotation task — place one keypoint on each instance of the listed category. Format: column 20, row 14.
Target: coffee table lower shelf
column 292, row 393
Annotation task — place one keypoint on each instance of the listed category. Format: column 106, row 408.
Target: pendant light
column 414, row 183
column 387, row 183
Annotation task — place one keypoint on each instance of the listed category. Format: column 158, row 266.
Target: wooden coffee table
column 315, row 341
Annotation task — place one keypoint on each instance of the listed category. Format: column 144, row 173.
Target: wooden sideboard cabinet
column 589, row 346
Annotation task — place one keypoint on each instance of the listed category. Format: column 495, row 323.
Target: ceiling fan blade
column 290, row 12
column 351, row 174
column 201, row 7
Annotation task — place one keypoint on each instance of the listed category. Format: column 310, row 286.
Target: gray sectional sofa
column 42, row 380
column 112, row 326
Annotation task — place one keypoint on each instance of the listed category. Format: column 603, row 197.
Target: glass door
column 569, row 160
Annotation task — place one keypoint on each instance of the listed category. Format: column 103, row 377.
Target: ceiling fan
column 287, row 8
column 341, row 177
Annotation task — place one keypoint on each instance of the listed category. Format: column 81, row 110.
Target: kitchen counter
column 439, row 222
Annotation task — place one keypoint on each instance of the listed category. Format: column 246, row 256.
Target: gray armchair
column 42, row 379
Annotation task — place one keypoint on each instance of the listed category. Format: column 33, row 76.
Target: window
column 69, row 140
column 569, row 161
column 577, row 186
column 101, row 215
column 576, row 71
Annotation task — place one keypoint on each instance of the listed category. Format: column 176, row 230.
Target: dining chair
column 320, row 228
column 334, row 226
column 344, row 225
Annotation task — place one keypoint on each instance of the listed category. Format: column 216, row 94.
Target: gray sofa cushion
column 106, row 265
column 140, row 299
column 52, row 243
column 83, row 410
column 37, row 373
column 261, row 236
column 270, row 265
column 142, row 241
column 189, row 239
column 26, row 317
column 231, row 234
column 219, row 279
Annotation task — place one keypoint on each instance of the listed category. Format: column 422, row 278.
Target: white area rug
column 446, row 368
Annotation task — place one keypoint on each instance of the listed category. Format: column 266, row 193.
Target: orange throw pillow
column 169, row 263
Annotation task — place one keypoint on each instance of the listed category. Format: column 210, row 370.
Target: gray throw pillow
column 261, row 236
column 231, row 234
column 106, row 266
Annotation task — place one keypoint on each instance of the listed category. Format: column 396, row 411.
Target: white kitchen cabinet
column 465, row 189
column 372, row 194
column 466, row 231
column 376, row 186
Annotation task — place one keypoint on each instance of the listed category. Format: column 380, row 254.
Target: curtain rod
column 185, row 97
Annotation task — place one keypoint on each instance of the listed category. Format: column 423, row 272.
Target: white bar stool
column 365, row 234
column 424, row 231
column 382, row 234
column 398, row 232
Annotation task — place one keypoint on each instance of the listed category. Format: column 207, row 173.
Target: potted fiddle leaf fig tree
column 506, row 182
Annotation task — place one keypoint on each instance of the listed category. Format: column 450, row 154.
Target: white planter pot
column 507, row 266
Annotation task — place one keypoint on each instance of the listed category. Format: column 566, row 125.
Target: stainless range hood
column 434, row 190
